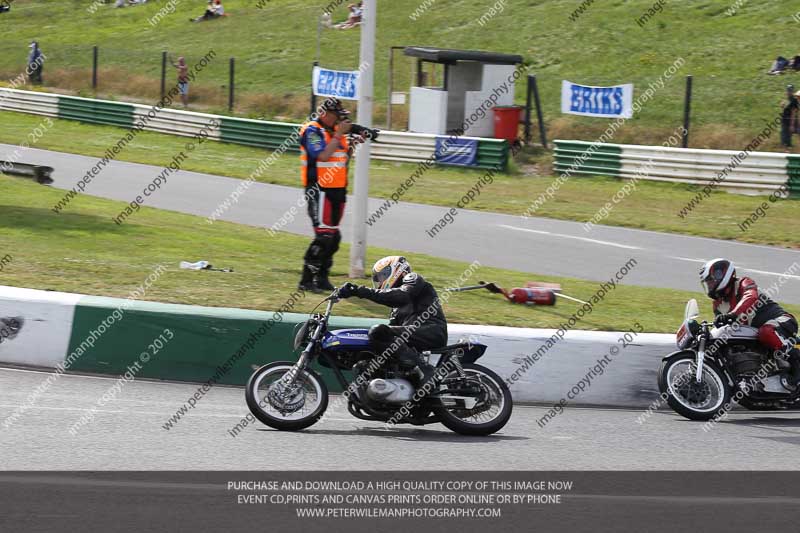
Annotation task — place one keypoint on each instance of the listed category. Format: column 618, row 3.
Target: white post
column 358, row 249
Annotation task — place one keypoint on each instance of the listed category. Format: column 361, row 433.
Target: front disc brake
column 286, row 398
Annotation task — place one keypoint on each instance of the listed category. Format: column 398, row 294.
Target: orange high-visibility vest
column 331, row 173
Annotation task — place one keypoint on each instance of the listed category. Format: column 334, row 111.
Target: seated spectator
column 214, row 10
column 354, row 19
column 779, row 66
column 5, row 7
column 123, row 3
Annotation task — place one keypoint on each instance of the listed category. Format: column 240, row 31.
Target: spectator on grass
column 5, row 7
column 789, row 116
column 354, row 19
column 778, row 66
column 213, row 10
column 183, row 79
column 35, row 63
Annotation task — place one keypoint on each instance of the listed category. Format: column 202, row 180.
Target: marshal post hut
column 472, row 83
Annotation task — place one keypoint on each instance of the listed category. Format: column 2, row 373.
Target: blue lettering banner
column 614, row 102
column 336, row 83
column 454, row 151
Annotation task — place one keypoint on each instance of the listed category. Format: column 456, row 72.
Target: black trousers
column 390, row 340
column 786, row 132
column 325, row 209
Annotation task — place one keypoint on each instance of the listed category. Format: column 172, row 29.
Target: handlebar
column 334, row 296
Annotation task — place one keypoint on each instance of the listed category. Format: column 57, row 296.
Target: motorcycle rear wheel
column 282, row 407
column 456, row 417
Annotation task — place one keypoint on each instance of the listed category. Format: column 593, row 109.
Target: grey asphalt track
column 128, row 434
column 536, row 245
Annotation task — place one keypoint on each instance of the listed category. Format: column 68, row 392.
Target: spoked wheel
column 283, row 404
column 482, row 409
column 695, row 401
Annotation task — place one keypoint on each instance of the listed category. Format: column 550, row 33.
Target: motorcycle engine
column 390, row 390
column 745, row 361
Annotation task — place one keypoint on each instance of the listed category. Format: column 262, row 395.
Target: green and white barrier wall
column 92, row 334
column 392, row 146
column 76, row 333
column 748, row 173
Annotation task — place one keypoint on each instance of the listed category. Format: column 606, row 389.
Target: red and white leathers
column 777, row 329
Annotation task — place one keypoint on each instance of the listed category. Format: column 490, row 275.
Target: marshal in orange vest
column 330, row 174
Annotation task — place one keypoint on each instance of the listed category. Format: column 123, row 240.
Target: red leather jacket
column 753, row 306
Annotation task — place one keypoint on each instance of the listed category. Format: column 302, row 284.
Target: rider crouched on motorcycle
column 740, row 300
column 417, row 321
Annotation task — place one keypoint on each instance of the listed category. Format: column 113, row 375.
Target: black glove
column 347, row 290
column 725, row 318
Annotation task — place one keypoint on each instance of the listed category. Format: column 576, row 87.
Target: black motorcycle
column 467, row 398
column 717, row 365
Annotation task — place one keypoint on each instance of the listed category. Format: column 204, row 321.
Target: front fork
column 290, row 377
column 701, row 355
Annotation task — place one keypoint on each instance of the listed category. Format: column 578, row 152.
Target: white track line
column 565, row 236
column 703, row 261
column 765, row 272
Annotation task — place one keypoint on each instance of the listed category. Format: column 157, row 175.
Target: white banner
column 337, row 83
column 35, row 326
column 612, row 102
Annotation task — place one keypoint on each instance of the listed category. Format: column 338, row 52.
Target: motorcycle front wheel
column 282, row 404
column 485, row 414
column 693, row 400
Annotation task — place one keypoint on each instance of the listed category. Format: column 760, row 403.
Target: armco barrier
column 391, row 145
column 793, row 169
column 758, row 172
column 57, row 328
column 258, row 133
column 96, row 111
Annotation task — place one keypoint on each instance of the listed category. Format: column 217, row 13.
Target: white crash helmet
column 389, row 272
column 716, row 276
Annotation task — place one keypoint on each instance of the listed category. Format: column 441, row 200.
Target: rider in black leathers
column 417, row 321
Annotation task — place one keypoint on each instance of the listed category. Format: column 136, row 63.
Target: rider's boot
column 794, row 360
column 420, row 369
column 322, row 280
column 328, row 247
column 792, row 382
column 308, row 281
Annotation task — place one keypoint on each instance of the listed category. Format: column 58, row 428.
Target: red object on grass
column 532, row 295
column 506, row 122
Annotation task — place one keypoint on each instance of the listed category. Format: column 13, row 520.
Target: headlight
column 686, row 334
